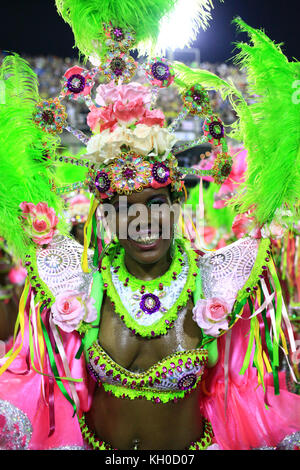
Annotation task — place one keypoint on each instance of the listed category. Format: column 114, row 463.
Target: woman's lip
column 146, row 247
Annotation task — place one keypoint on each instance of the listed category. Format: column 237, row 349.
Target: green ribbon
column 96, row 251
column 55, row 370
column 250, row 343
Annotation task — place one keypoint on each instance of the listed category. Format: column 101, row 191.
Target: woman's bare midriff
column 124, row 423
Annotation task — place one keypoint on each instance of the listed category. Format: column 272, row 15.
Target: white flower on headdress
column 142, row 140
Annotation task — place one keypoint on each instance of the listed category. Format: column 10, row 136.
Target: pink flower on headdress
column 78, row 82
column 40, row 221
column 70, row 308
column 129, row 111
column 212, row 315
column 100, row 119
column 152, row 117
column 110, row 93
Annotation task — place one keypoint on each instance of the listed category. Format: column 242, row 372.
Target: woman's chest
column 135, row 352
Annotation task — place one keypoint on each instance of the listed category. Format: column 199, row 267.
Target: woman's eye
column 156, row 201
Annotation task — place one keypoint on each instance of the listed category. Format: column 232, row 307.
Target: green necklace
column 149, row 308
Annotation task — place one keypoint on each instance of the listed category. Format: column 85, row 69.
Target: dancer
column 145, row 329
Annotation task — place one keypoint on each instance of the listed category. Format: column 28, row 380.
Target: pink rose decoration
column 109, row 94
column 242, row 225
column 212, row 315
column 100, row 119
column 71, row 308
column 129, row 111
column 17, row 275
column 40, row 221
column 152, row 117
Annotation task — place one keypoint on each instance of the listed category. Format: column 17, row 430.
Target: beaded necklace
column 149, row 308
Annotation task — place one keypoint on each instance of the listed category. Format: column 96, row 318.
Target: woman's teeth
column 147, row 240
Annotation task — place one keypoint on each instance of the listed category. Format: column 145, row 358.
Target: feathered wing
column 268, row 123
column 26, row 171
column 269, row 127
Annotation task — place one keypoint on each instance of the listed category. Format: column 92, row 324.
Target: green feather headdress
column 268, row 123
column 27, row 173
column 143, row 17
column 269, row 127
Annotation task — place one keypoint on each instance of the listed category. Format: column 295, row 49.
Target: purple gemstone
column 187, row 381
column 160, row 71
column 150, row 303
column 76, row 83
column 160, row 172
column 118, row 34
column 102, row 182
column 118, row 72
column 128, row 173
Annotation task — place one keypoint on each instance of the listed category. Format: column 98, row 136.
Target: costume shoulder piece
column 57, row 268
column 240, row 281
column 233, row 272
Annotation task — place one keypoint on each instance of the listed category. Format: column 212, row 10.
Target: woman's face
column 144, row 223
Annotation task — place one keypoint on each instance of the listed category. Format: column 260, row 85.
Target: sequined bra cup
column 171, row 378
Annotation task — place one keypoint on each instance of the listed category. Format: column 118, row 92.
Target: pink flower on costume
column 100, row 119
column 70, row 309
column 242, row 225
column 129, row 111
column 40, row 221
column 152, row 117
column 17, row 275
column 212, row 315
column 109, row 94
column 78, row 82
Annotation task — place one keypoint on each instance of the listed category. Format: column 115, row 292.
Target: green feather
column 269, row 127
column 86, row 18
column 26, row 175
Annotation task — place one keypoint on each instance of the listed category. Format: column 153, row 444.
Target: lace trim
column 57, row 268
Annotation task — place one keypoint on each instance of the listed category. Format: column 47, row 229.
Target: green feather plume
column 26, row 174
column 269, row 127
column 268, row 123
column 86, row 18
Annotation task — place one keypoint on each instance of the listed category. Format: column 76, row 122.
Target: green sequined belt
column 97, row 444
